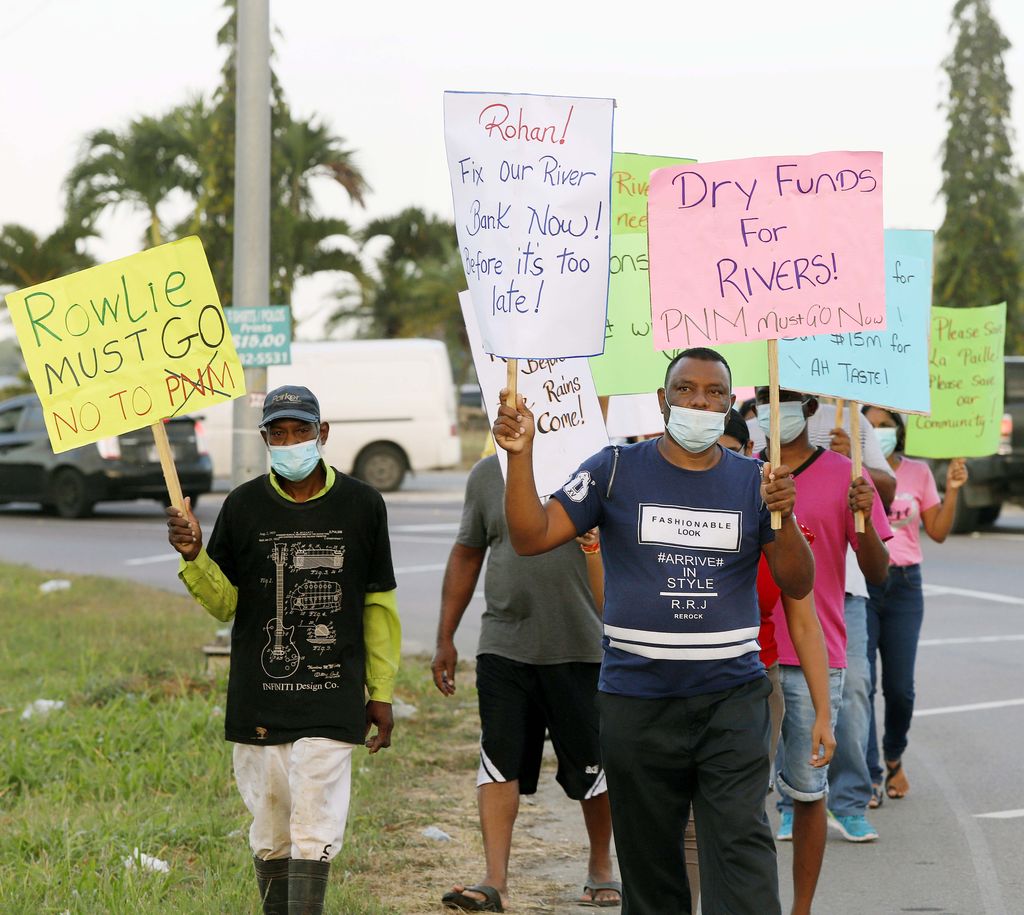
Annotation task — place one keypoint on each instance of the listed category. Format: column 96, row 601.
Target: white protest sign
column 561, row 394
column 531, row 188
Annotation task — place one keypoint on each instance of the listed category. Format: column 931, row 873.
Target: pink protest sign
column 756, row 249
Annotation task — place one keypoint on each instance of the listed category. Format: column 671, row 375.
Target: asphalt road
column 955, row 845
column 129, row 540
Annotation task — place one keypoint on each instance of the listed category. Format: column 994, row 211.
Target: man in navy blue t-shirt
column 683, row 694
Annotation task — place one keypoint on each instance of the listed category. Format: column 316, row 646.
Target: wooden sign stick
column 163, row 449
column 512, row 371
column 774, row 445
column 858, row 463
column 839, row 412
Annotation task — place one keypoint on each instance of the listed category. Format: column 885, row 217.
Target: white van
column 390, row 403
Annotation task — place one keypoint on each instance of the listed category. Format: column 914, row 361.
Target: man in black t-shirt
column 301, row 559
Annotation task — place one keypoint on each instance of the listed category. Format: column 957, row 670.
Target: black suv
column 997, row 478
column 122, row 467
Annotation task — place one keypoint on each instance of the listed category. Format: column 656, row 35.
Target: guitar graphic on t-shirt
column 280, row 656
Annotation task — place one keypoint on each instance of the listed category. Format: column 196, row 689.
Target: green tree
column 27, row 259
column 302, row 241
column 412, row 283
column 191, row 150
column 979, row 247
column 140, row 166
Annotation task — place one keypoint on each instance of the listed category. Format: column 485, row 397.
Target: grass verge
column 136, row 759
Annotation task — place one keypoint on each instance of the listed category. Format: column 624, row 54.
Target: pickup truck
column 998, row 478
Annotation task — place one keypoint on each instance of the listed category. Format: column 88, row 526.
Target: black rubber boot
column 272, row 877
column 307, row 884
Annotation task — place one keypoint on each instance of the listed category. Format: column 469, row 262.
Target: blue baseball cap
column 290, row 401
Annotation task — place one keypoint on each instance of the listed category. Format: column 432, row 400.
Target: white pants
column 298, row 794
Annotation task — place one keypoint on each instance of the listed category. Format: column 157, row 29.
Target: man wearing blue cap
column 301, row 559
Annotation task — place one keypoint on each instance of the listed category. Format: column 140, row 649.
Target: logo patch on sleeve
column 699, row 528
column 577, row 488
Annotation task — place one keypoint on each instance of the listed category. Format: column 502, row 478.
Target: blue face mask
column 295, row 462
column 695, row 430
column 791, row 420
column 887, row 436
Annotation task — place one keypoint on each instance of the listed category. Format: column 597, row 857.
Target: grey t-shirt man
column 540, row 609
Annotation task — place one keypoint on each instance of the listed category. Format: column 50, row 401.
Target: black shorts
column 518, row 702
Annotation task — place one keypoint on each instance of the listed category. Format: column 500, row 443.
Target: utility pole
column 251, row 263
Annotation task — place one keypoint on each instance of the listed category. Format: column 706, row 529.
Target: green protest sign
column 630, row 364
column 965, row 369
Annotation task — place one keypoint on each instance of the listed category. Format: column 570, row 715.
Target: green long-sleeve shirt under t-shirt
column 214, row 591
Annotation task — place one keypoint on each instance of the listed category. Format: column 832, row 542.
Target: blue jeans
column 849, row 781
column 796, row 778
column 848, row 777
column 895, row 614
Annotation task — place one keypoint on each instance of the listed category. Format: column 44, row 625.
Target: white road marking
column 149, row 560
column 997, row 535
column 985, row 874
column 973, row 640
column 974, row 707
column 939, row 590
column 1001, row 815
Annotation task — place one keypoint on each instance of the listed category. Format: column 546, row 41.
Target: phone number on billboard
column 258, row 359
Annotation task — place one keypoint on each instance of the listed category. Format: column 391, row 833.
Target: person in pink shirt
column 896, row 607
column 826, row 499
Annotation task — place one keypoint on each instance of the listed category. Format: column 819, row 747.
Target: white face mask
column 791, row 420
column 295, row 462
column 887, row 436
column 695, row 430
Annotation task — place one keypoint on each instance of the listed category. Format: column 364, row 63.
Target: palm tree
column 411, row 289
column 304, row 150
column 140, row 166
column 191, row 149
column 26, row 259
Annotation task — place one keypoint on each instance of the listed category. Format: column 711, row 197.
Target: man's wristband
column 590, row 550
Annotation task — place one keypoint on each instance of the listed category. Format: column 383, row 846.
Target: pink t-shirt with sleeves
column 822, row 484
column 915, row 494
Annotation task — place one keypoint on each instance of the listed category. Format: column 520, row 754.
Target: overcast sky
column 710, row 80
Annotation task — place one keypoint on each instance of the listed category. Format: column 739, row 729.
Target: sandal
column 877, row 796
column 892, row 769
column 490, row 903
column 594, row 887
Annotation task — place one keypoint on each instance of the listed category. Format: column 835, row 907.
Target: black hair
column 748, row 406
column 736, row 426
column 901, row 427
column 698, row 352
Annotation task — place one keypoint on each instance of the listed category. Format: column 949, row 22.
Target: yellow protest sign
column 126, row 344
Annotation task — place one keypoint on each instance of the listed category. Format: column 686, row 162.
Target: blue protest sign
column 888, row 368
column 263, row 336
